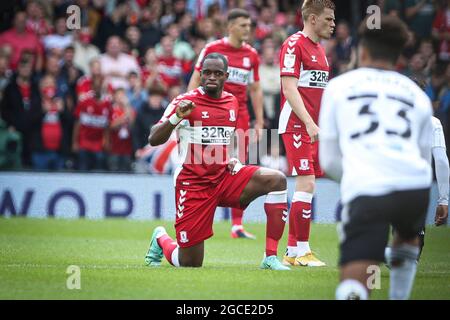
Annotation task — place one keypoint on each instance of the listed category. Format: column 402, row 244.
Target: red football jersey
column 120, row 138
column 204, row 138
column 84, row 88
column 93, row 116
column 243, row 66
column 171, row 70
column 302, row 58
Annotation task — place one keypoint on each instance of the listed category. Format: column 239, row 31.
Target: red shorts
column 302, row 156
column 195, row 208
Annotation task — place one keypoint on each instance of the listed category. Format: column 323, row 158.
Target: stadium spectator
column 71, row 74
column 116, row 65
column 133, row 40
column 416, row 67
column 135, row 93
column 205, row 29
column 20, row 107
column 198, row 45
column 53, row 68
column 20, row 40
column 5, row 73
column 90, row 17
column 112, row 25
column 270, row 85
column 441, row 30
column 169, row 67
column 265, row 23
column 181, row 49
column 291, row 26
column 149, row 114
column 10, row 148
column 150, row 73
column 121, row 120
column 84, row 86
column 48, row 138
column 438, row 90
column 199, row 9
column 36, row 20
column 186, row 26
column 61, row 39
column 90, row 130
column 173, row 92
column 419, row 15
column 345, row 53
column 391, row 7
column 84, row 50
column 150, row 30
column 174, row 11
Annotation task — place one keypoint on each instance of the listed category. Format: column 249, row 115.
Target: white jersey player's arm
column 329, row 149
column 441, row 164
column 442, row 174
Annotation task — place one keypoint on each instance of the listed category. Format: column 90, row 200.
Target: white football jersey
column 438, row 134
column 382, row 122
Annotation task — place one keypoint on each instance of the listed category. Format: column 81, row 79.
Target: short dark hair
column 237, row 13
column 316, row 7
column 385, row 43
column 216, row 55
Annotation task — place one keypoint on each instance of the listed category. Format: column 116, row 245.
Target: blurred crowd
column 85, row 99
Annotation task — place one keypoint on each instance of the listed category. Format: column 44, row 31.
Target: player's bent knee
column 191, row 256
column 278, row 182
column 306, row 184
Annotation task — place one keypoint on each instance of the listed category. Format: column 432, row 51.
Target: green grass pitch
column 35, row 255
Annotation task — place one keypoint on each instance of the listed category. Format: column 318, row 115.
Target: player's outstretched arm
column 161, row 132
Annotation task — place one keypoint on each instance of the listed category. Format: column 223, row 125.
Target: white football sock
column 403, row 263
column 292, row 251
column 351, row 289
column 236, row 227
column 302, row 248
column 174, row 257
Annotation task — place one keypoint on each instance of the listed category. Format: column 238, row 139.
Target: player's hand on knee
column 441, row 215
column 184, row 108
column 234, row 165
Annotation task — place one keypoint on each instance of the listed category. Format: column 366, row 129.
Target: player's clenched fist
column 184, row 108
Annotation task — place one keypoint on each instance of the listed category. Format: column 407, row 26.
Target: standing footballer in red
column 243, row 68
column 205, row 119
column 304, row 74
